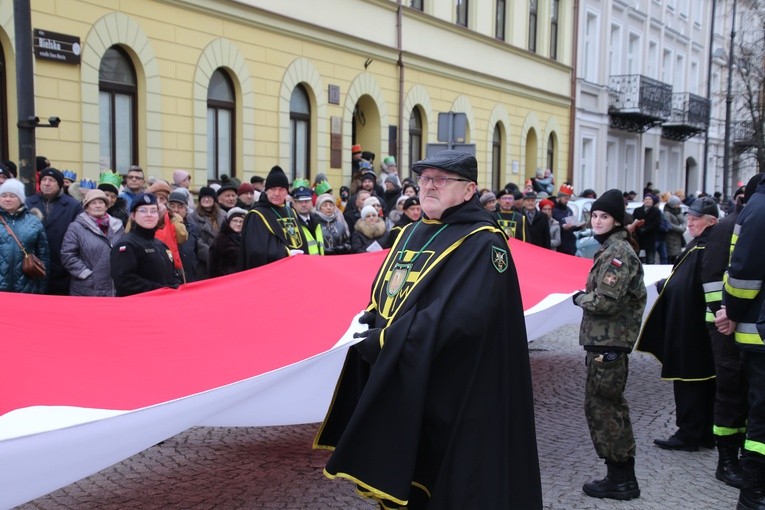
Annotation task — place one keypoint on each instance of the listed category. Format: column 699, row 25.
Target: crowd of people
column 123, row 236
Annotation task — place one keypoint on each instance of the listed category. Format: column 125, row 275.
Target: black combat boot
column 752, row 495
column 728, row 466
column 620, row 482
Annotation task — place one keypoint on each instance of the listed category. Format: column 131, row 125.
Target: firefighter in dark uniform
column 434, row 407
column 731, row 407
column 676, row 333
column 743, row 311
column 139, row 262
column 271, row 228
column 613, row 305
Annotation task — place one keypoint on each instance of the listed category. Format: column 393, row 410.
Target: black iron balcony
column 742, row 136
column 690, row 116
column 637, row 103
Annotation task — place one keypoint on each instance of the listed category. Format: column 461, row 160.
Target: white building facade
column 641, row 100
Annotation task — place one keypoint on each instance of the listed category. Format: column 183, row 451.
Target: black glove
column 367, row 318
column 369, row 346
column 576, row 296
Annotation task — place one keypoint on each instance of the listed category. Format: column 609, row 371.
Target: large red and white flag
column 87, row 382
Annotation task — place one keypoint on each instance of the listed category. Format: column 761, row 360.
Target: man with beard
column 511, row 221
column 271, row 230
column 434, row 405
column 412, row 212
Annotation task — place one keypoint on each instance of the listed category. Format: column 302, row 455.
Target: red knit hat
column 546, row 203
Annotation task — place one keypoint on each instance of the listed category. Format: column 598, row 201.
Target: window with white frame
column 652, row 65
column 220, row 126
column 633, row 54
column 590, row 48
column 615, row 50
column 300, row 134
column 118, row 117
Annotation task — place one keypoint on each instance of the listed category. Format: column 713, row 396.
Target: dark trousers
column 731, row 406
column 753, row 363
column 694, row 406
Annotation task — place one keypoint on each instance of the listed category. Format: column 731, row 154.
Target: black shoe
column 673, row 443
column 751, row 499
column 606, row 488
column 708, row 442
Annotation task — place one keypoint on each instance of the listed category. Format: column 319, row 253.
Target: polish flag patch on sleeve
column 616, row 263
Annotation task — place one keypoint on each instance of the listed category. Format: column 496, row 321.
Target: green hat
column 109, row 181
column 323, row 187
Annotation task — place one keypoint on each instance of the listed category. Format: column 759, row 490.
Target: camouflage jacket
column 615, row 297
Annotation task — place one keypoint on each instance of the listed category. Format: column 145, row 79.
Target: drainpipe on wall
column 400, row 63
column 709, row 98
column 572, row 113
column 25, row 99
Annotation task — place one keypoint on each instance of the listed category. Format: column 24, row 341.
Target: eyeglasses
column 147, row 211
column 438, row 182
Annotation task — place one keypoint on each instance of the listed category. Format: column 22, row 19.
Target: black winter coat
column 224, row 252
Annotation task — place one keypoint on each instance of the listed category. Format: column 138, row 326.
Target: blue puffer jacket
column 29, row 230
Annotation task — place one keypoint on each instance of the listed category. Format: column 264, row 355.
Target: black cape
column 675, row 330
column 443, row 416
column 269, row 233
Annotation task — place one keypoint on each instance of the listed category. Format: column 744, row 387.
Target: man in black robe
column 676, row 333
column 434, row 406
column 271, row 231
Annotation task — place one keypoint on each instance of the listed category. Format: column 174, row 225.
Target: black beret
column 505, row 191
column 409, row 202
column 143, row 199
column 611, row 202
column 453, row 161
column 702, row 206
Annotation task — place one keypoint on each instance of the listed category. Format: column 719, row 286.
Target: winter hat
column 611, row 202
column 160, row 187
column 371, row 201
column 178, row 196
column 389, row 160
column 94, row 194
column 410, row 202
column 368, row 175
column 323, row 187
column 179, row 176
column 226, row 187
column 52, row 172
column 542, row 195
column 245, row 187
column 11, row 167
column 653, row 197
column 277, row 178
column 392, row 179
column 207, row 191
column 503, row 192
column 565, row 190
column 702, row 206
column 14, row 186
column 355, row 149
column 529, row 194
column 255, row 179
column 326, row 197
column 235, row 211
column 751, row 186
column 487, row 197
column 546, row 203
column 4, row 171
column 69, row 175
column 401, row 199
column 367, row 210
column 365, row 165
column 41, row 163
column 143, row 199
column 460, row 163
column 320, row 177
column 674, row 201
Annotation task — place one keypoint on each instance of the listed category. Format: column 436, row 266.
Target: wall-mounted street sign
column 58, row 47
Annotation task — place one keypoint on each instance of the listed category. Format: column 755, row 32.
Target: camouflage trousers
column 606, row 409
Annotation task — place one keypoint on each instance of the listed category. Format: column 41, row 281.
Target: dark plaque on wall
column 57, row 47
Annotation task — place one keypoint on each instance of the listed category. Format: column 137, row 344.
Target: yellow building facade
column 372, row 72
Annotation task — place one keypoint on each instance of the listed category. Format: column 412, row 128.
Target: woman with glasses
column 224, row 252
column 139, row 262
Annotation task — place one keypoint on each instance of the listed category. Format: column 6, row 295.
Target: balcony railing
column 638, row 103
column 690, row 116
column 742, row 136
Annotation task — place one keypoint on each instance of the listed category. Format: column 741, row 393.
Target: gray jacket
column 85, row 253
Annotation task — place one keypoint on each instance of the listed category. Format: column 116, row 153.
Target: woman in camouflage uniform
column 613, row 305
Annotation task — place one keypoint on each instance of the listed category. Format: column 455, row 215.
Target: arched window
column 220, row 126
column 496, row 159
column 300, row 134
column 551, row 153
column 415, row 138
column 118, row 118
